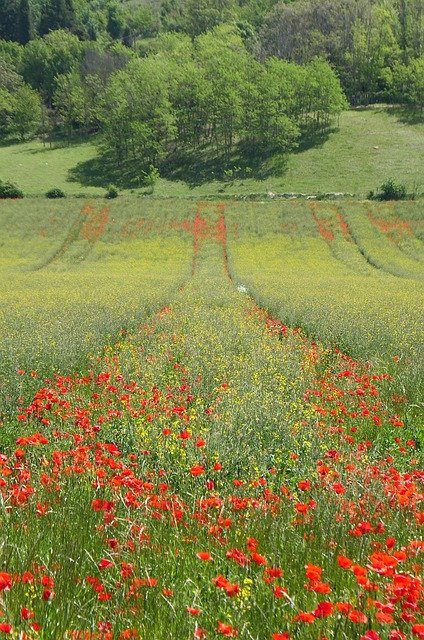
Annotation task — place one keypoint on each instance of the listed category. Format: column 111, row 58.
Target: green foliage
column 10, row 190
column 26, row 113
column 392, row 190
column 112, row 192
column 59, row 52
column 136, row 114
column 54, row 193
column 203, row 15
column 57, row 14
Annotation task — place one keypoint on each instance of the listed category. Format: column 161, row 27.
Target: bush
column 55, row 193
column 10, row 190
column 112, row 192
column 390, row 190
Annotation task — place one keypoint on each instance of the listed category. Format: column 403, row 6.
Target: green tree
column 8, row 18
column 202, row 15
column 24, row 22
column 26, row 114
column 46, row 58
column 76, row 102
column 115, row 21
column 225, row 61
column 136, row 114
column 6, row 110
column 57, row 14
column 416, row 84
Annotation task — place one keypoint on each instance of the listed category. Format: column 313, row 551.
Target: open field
column 369, row 146
column 211, row 422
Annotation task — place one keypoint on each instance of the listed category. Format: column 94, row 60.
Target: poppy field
column 211, row 420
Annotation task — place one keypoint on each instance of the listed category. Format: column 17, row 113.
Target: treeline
column 184, row 94
column 375, row 46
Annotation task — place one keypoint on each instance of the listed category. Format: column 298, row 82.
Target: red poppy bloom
column 5, row 581
column 204, row 555
column 197, row 470
column 370, row 635
column 227, row 630
column 5, row 627
column 357, row 616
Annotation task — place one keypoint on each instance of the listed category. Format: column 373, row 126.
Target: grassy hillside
column 369, row 146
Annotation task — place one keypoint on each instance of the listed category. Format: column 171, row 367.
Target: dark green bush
column 391, row 190
column 10, row 190
column 55, row 193
column 112, row 192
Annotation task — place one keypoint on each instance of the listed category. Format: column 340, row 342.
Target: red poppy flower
column 357, row 616
column 204, row 555
column 197, row 470
column 227, row 630
column 344, row 562
column 5, row 627
column 371, row 635
column 258, row 558
column 5, row 581
column 27, row 614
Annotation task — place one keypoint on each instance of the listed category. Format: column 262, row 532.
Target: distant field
column 369, row 146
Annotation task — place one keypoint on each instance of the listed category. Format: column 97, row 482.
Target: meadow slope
column 367, row 147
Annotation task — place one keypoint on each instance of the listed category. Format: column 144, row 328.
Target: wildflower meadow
column 211, row 420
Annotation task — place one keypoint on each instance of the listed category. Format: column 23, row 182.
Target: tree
column 136, row 114
column 202, row 15
column 268, row 127
column 76, row 101
column 24, row 22
column 27, row 112
column 416, row 87
column 46, row 58
column 225, row 61
column 115, row 21
column 57, row 14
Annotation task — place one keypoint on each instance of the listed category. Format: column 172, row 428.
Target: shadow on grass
column 194, row 168
column 315, row 138
column 200, row 167
column 103, row 170
column 406, row 114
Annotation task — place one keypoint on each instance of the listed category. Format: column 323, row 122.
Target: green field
column 368, row 147
column 211, row 419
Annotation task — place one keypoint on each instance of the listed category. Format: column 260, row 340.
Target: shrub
column 10, row 190
column 112, row 192
column 390, row 190
column 55, row 193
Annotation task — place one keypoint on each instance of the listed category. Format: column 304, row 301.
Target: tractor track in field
column 89, row 225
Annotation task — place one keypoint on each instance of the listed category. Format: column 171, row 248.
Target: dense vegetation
column 162, row 81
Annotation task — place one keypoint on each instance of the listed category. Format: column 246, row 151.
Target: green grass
column 36, row 167
column 369, row 146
